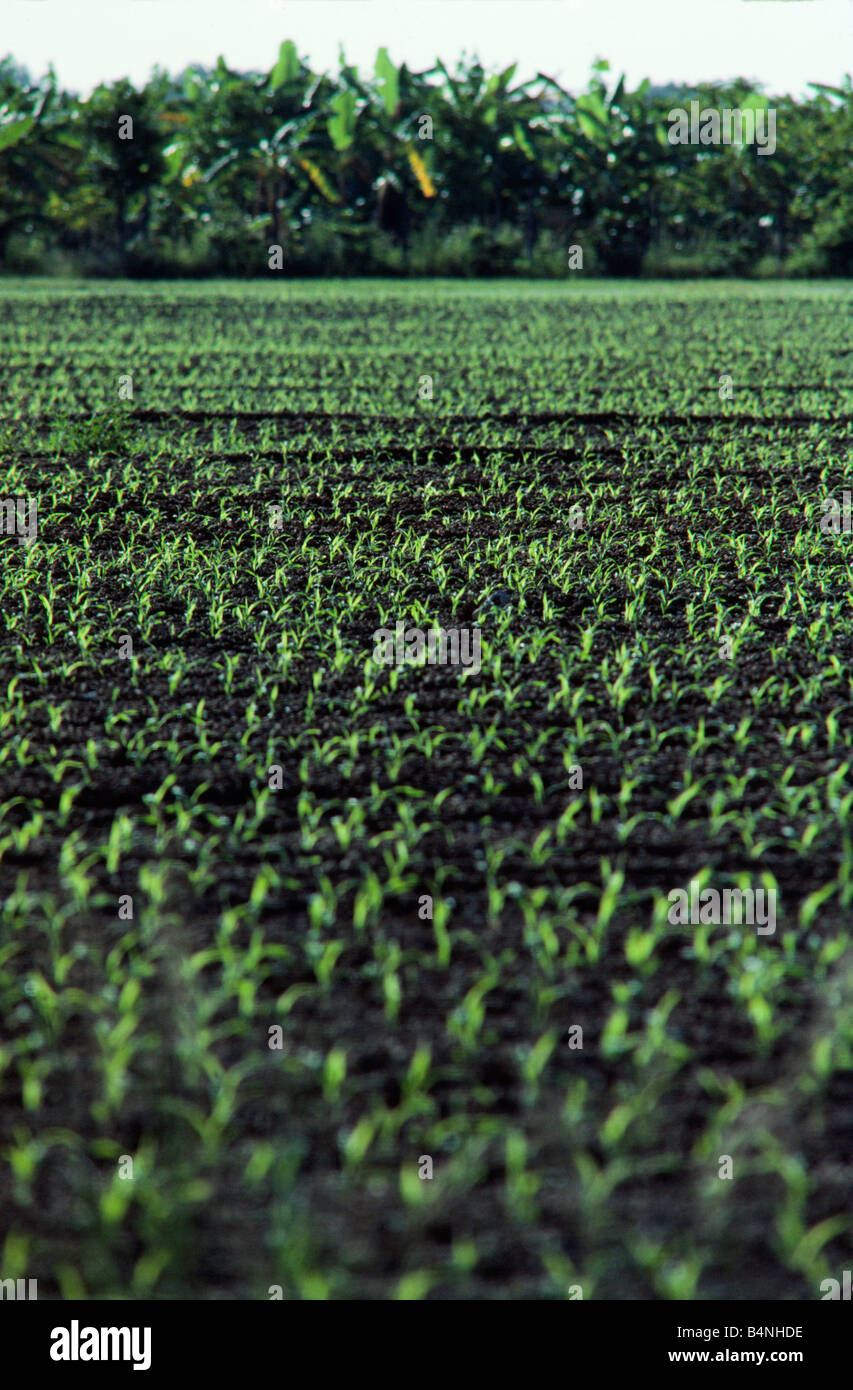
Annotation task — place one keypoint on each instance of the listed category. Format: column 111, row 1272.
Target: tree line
column 453, row 170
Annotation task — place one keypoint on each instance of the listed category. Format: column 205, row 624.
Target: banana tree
column 823, row 197
column 258, row 142
column 123, row 166
column 484, row 136
column 808, row 179
column 383, row 120
column 40, row 152
column 613, row 144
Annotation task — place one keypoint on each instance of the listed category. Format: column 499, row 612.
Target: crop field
column 323, row 976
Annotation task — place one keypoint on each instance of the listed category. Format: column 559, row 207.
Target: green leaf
column 809, row 907
column 833, row 91
column 219, row 165
column 415, row 1286
column 341, row 125
column 508, row 74
column 501, row 80
column 808, row 1249
column 287, row 67
column 15, row 131
column 678, row 803
column 522, row 141
column 334, row 1073
column 591, row 116
column 388, row 81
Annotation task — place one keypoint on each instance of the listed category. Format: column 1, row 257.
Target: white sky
column 782, row 43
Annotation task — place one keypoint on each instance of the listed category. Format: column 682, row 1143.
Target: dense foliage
column 441, row 172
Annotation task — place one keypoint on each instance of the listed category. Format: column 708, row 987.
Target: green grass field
column 218, row 838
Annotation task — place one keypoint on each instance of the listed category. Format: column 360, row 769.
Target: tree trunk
column 274, row 220
column 531, row 228
column 121, row 230
column 781, row 228
column 404, row 227
column 393, row 211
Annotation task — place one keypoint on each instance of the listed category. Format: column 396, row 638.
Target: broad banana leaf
column 287, row 67
column 341, row 125
column 15, row 130
column 388, row 81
